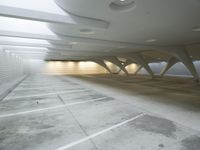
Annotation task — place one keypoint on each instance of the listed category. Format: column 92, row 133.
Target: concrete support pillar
column 128, row 62
column 140, row 60
column 172, row 61
column 184, row 57
column 102, row 63
column 116, row 61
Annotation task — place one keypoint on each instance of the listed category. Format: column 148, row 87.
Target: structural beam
column 139, row 67
column 128, row 62
column 116, row 61
column 172, row 61
column 69, row 18
column 102, row 63
column 51, row 46
column 62, row 39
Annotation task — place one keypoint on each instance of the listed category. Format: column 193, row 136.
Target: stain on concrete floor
column 156, row 125
column 191, row 143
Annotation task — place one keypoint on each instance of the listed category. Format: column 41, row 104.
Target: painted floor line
column 39, row 84
column 31, row 111
column 43, row 85
column 50, row 108
column 40, row 88
column 39, row 81
column 86, row 101
column 99, row 133
column 38, row 95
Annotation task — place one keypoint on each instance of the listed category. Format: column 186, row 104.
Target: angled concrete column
column 184, row 57
column 128, row 62
column 139, row 67
column 136, row 57
column 116, row 61
column 172, row 61
column 102, row 63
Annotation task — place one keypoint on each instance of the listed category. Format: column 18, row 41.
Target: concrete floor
column 101, row 112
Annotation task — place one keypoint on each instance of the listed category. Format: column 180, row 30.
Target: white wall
column 64, row 67
column 11, row 67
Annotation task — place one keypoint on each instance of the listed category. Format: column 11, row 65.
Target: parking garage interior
column 99, row 75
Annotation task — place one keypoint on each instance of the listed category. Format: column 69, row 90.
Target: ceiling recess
column 123, row 5
column 196, row 29
column 86, row 31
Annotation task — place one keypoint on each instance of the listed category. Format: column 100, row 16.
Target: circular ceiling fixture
column 123, row 5
column 86, row 31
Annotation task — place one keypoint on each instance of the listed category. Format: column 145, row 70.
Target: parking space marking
column 30, row 111
column 38, row 95
column 40, row 83
column 45, row 87
column 50, row 108
column 99, row 133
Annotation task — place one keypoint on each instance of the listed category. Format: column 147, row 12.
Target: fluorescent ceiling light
column 23, row 40
column 25, row 26
column 48, row 6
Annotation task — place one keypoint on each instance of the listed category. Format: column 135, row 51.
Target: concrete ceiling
column 82, row 29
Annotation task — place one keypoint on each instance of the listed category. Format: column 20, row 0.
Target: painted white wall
column 11, row 67
column 64, row 67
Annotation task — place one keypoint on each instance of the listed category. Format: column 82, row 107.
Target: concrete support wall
column 65, row 67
